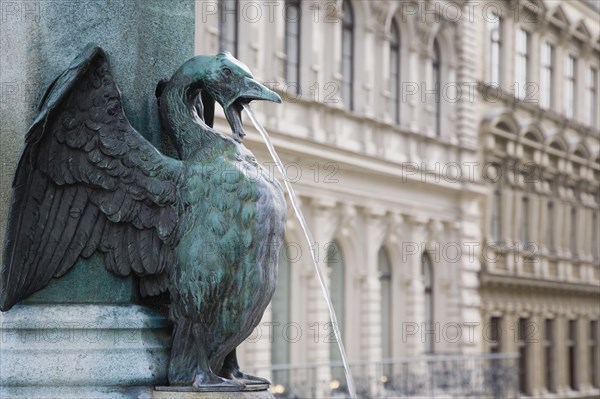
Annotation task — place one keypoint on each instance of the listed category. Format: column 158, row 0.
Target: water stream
column 311, row 243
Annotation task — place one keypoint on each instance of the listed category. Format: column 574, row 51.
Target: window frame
column 428, row 276
column 570, row 86
column 549, row 355
column 593, row 351
column 395, row 71
column 524, row 227
column 572, row 354
column 497, row 213
column 595, row 247
column 495, row 32
column 384, row 267
column 573, row 230
column 547, row 60
column 592, row 93
column 223, row 20
column 336, row 264
column 550, row 242
column 348, row 31
column 495, row 344
column 436, row 80
column 297, row 35
column 523, row 350
column 522, row 62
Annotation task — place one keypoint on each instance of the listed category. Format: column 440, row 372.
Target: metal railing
column 433, row 376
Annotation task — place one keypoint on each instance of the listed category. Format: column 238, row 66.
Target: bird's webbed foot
column 231, row 370
column 207, row 381
column 249, row 379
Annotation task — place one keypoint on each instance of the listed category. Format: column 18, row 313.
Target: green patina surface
column 87, row 282
column 147, row 40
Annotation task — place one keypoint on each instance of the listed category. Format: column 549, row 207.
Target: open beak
column 249, row 90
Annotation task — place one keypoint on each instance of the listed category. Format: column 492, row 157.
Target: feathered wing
column 87, row 182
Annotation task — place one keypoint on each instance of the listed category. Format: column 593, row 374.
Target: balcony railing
column 436, row 376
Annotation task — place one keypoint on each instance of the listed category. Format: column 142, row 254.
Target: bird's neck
column 190, row 135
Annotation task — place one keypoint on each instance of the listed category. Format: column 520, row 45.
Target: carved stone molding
column 347, row 223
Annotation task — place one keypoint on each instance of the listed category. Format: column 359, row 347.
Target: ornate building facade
column 445, row 155
column 540, row 145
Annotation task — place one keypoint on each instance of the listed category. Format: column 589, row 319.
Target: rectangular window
column 592, row 113
column 436, row 83
column 550, row 226
column 395, row 72
column 572, row 354
column 523, row 356
column 228, row 26
column 494, row 27
column 495, row 334
column 292, row 45
column 573, row 238
column 594, row 353
column 347, row 55
column 549, row 354
column 547, row 59
column 497, row 214
column 570, row 77
column 521, row 63
column 595, row 238
column 524, row 220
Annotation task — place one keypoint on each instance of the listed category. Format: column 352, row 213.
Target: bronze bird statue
column 207, row 226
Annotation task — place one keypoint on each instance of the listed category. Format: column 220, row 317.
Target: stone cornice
column 487, row 279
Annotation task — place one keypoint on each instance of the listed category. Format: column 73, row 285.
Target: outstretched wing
column 87, row 182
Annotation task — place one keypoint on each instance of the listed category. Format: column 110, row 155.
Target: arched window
column 335, row 264
column 292, row 44
column 395, row 71
column 385, row 277
column 280, row 312
column 228, row 26
column 348, row 55
column 436, row 81
column 427, row 274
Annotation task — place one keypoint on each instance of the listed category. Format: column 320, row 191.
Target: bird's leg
column 205, row 379
column 189, row 363
column 231, row 370
column 183, row 361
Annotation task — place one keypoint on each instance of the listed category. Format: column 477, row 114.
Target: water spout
column 311, row 243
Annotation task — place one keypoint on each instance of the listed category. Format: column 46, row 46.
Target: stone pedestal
column 82, row 351
column 211, row 395
column 83, row 336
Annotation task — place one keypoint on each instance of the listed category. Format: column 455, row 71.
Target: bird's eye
column 227, row 71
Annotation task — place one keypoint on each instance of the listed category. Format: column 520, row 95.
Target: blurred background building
column 446, row 156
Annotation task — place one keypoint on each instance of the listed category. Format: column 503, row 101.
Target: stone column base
column 82, row 351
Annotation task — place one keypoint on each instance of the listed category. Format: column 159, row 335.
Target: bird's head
column 224, row 79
